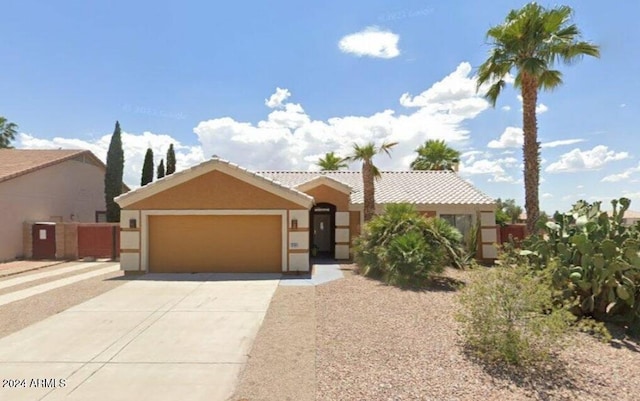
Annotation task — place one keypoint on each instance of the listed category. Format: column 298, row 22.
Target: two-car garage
column 214, row 218
column 215, row 243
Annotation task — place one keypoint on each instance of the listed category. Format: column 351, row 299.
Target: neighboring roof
column 213, row 164
column 629, row 214
column 417, row 187
column 17, row 162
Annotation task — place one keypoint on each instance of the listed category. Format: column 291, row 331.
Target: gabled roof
column 214, row 164
column 417, row 187
column 324, row 180
column 17, row 162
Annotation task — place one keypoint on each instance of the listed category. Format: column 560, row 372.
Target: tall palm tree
column 435, row 155
column 532, row 41
column 331, row 162
column 365, row 154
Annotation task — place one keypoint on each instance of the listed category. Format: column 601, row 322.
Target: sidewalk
column 21, row 266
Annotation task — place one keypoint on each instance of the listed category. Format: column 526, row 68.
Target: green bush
column 399, row 247
column 594, row 261
column 507, row 316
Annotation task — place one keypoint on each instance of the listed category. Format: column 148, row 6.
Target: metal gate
column 44, row 240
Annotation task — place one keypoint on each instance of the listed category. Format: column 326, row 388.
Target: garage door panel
column 215, row 243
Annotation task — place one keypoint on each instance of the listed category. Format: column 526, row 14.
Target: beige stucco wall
column 62, row 190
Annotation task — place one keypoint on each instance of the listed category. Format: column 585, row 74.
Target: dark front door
column 322, row 232
column 323, row 226
column 44, row 241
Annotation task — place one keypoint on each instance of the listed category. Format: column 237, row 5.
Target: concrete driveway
column 159, row 337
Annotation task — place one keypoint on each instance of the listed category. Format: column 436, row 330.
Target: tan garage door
column 237, row 244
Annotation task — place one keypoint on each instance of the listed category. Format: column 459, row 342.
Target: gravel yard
column 376, row 342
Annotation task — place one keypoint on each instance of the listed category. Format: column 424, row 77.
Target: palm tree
column 7, row 133
column 531, row 41
column 331, row 162
column 365, row 153
column 435, row 155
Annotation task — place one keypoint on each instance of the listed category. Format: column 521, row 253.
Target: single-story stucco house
column 220, row 217
column 46, row 186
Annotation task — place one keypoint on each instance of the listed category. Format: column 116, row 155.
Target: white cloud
column 578, row 160
column 510, row 138
column 371, row 42
column 624, row 176
column 135, row 147
column 547, row 195
column 275, row 101
column 506, row 108
column 500, row 170
column 561, row 142
column 541, row 108
column 288, row 138
column 456, row 92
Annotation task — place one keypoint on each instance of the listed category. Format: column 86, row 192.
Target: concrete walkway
column 322, row 273
column 39, row 289
column 73, row 267
column 159, row 337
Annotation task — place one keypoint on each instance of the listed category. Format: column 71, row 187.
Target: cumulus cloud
column 547, row 195
column 134, row 146
column 510, row 138
column 578, row 160
column 624, row 176
column 276, row 100
column 371, row 42
column 506, row 108
column 289, row 138
column 499, row 170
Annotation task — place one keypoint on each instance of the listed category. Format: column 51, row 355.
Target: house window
column 101, row 217
column 462, row 222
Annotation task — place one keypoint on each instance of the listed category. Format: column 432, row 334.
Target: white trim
column 144, row 249
column 208, row 166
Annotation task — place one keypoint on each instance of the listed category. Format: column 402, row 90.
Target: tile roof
column 16, row 162
column 417, row 187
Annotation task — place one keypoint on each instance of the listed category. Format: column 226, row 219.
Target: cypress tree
column 171, row 160
column 160, row 172
column 113, row 175
column 147, row 168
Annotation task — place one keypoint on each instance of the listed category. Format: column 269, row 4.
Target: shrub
column 399, row 247
column 594, row 261
column 450, row 239
column 507, row 316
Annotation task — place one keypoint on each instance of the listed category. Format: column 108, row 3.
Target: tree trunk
column 369, row 190
column 530, row 150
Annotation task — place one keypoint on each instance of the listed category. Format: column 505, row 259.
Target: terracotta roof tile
column 16, row 162
column 418, row 187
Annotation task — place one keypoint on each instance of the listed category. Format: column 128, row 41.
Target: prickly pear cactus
column 595, row 260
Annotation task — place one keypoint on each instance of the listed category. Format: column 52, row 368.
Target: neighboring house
column 219, row 217
column 630, row 217
column 46, row 186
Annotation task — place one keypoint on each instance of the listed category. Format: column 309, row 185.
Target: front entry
column 324, row 227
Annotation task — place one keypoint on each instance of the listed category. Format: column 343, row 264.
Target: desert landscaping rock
column 377, row 342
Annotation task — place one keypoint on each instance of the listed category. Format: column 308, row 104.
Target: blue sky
column 275, row 85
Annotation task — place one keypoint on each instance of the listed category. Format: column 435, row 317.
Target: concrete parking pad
column 160, row 337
